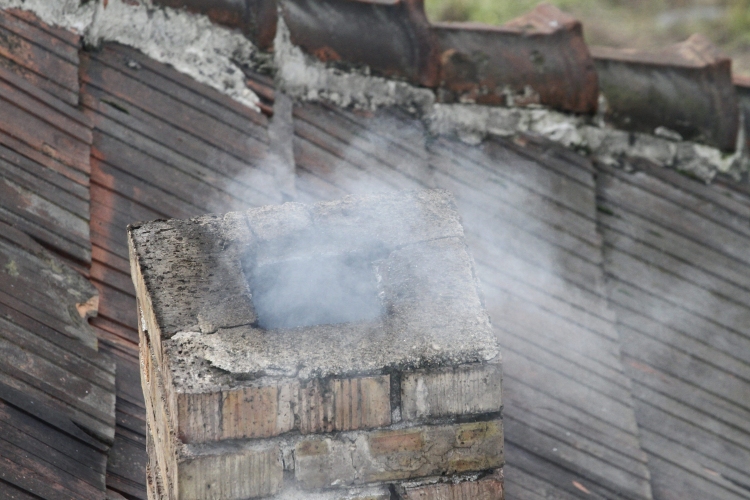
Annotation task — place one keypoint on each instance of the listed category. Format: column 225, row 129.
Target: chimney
column 333, row 351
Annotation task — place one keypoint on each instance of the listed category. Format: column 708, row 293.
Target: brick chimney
column 333, row 351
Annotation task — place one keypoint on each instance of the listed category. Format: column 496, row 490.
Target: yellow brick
column 333, row 405
column 487, row 488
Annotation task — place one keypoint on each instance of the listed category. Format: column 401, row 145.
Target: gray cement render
column 433, row 312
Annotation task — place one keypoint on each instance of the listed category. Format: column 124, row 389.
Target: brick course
column 487, row 488
column 461, row 390
column 393, row 455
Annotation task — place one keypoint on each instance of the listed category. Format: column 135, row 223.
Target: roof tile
column 539, row 58
column 686, row 88
column 392, row 37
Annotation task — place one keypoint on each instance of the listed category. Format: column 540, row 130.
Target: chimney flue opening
column 318, row 290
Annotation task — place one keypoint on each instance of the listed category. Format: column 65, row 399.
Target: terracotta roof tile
column 539, row 58
column 391, row 37
column 256, row 18
column 688, row 87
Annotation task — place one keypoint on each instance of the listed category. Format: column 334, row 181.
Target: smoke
column 531, row 229
column 317, row 290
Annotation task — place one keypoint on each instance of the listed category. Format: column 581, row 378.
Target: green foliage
column 738, row 21
column 500, row 11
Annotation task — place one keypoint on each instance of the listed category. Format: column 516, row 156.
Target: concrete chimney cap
column 392, row 287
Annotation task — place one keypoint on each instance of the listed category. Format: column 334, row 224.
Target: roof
column 618, row 295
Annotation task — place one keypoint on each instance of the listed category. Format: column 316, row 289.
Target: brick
column 462, row 390
column 380, row 492
column 539, row 58
column 344, row 404
column 689, row 89
column 393, row 38
column 162, row 456
column 245, row 474
column 392, row 455
column 154, row 483
column 486, row 488
column 258, row 412
column 187, row 473
column 264, row 411
column 246, row 412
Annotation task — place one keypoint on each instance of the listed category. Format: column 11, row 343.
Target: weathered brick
column 258, row 412
column 190, row 474
column 344, row 404
column 249, row 473
column 461, row 390
column 154, row 485
column 246, row 412
column 162, row 457
column 197, row 417
column 391, row 455
column 486, row 488
column 264, row 411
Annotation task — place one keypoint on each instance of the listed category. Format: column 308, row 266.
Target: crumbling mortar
column 473, row 123
column 217, row 56
column 228, row 380
column 191, row 43
column 306, row 79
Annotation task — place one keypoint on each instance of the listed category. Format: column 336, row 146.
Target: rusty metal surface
column 256, row 18
column 540, row 58
column 391, row 37
column 686, row 88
